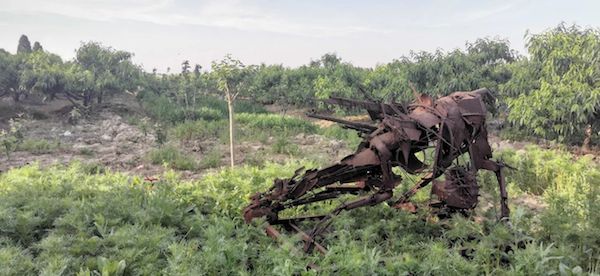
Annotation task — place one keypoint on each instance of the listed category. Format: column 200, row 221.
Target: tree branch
column 74, row 96
column 77, row 105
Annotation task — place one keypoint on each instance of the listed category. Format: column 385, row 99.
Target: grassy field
column 74, row 220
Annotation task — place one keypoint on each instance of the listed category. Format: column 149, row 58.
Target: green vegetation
column 39, row 146
column 212, row 159
column 273, row 124
column 173, row 157
column 569, row 187
column 250, row 127
column 65, row 220
column 199, row 130
column 350, row 137
column 283, row 145
column 561, row 100
column 9, row 140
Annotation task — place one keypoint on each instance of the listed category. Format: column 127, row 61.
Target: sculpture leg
column 480, row 151
column 497, row 167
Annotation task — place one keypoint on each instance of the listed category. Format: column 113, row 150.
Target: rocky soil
column 108, row 140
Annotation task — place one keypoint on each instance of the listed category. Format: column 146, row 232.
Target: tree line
column 552, row 92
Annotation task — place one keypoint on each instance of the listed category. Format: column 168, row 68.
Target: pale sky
column 163, row 33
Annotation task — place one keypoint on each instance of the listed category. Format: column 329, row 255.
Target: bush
column 173, row 157
column 283, row 145
column 212, row 159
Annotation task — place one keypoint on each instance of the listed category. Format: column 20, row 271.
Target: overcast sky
column 163, row 33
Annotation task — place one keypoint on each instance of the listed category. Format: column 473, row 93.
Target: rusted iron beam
column 308, row 239
column 358, row 126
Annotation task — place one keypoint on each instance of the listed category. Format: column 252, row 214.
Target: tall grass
column 200, row 130
column 257, row 125
column 173, row 157
column 209, row 108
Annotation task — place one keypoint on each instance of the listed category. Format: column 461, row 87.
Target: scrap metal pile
column 451, row 125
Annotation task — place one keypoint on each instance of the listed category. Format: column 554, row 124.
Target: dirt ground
column 109, row 139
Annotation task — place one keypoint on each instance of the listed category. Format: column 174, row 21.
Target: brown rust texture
column 452, row 125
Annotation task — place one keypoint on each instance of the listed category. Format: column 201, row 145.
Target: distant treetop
column 24, row 45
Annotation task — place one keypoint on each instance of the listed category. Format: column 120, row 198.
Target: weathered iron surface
column 452, row 125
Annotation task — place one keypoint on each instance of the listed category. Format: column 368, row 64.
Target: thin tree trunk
column 187, row 102
column 16, row 96
column 86, row 99
column 230, row 108
column 588, row 138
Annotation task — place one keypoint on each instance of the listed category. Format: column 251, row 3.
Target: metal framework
column 452, row 125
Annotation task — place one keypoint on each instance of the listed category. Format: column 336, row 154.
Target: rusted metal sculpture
column 452, row 125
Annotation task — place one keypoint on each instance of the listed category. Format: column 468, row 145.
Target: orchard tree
column 80, row 86
column 270, row 85
column 485, row 51
column 111, row 71
column 24, row 46
column 565, row 103
column 43, row 73
column 482, row 65
column 184, row 90
column 231, row 76
column 389, row 81
column 200, row 83
column 9, row 75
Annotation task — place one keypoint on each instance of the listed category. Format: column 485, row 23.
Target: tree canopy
column 559, row 84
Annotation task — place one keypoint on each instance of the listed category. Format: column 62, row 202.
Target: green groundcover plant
column 73, row 221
